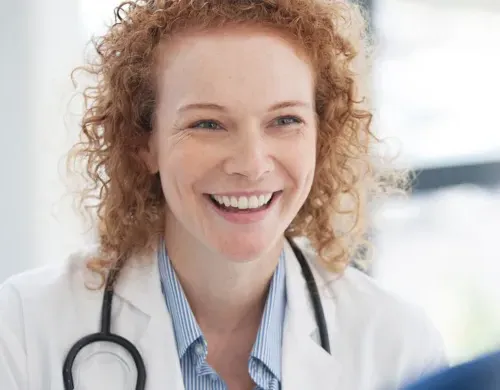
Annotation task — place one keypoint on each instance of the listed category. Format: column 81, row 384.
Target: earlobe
column 149, row 156
column 150, row 161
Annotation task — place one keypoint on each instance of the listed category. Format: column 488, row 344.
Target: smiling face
column 234, row 139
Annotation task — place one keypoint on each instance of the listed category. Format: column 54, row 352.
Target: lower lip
column 244, row 216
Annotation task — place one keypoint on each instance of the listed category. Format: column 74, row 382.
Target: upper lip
column 243, row 193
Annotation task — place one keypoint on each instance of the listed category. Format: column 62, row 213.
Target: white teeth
column 253, row 202
column 243, row 202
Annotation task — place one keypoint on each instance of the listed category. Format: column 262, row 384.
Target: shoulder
column 385, row 327
column 355, row 293
column 39, row 282
column 42, row 311
column 390, row 316
column 354, row 287
column 25, row 297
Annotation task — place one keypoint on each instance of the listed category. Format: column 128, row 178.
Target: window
column 437, row 78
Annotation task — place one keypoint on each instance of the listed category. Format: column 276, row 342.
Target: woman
column 216, row 130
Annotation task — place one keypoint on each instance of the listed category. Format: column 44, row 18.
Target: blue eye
column 287, row 121
column 206, row 125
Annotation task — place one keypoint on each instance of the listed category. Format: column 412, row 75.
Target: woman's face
column 234, row 139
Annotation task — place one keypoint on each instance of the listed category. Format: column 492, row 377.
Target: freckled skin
column 237, row 142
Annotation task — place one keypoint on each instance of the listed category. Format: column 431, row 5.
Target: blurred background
column 436, row 81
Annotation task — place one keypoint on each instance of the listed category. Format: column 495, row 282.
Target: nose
column 250, row 156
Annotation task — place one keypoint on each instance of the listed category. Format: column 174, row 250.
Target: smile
column 253, row 202
column 243, row 209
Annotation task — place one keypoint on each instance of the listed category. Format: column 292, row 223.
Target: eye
column 287, row 121
column 205, row 125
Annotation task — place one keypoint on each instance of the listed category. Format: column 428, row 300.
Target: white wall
column 17, row 189
column 40, row 43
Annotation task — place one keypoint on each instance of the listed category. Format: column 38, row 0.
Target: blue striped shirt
column 264, row 364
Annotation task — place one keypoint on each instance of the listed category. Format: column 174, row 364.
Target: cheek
column 186, row 165
column 301, row 161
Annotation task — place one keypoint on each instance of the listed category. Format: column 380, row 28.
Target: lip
column 243, row 193
column 244, row 217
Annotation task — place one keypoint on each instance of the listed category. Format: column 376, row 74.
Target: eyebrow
column 289, row 103
column 205, row 106
column 217, row 107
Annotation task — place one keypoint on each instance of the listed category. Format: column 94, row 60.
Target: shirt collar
column 186, row 328
column 268, row 344
column 267, row 347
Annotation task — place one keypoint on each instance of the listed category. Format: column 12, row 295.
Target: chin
column 243, row 249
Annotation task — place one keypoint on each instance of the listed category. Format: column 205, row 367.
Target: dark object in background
column 484, row 175
column 480, row 374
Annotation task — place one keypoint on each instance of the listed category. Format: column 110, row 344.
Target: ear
column 150, row 154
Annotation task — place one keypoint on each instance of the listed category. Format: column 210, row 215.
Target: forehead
column 231, row 65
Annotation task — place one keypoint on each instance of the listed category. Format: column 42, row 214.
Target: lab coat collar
column 305, row 364
column 139, row 283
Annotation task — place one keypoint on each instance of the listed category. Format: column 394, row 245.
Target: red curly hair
column 128, row 200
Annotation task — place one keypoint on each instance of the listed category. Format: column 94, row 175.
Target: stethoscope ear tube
column 315, row 297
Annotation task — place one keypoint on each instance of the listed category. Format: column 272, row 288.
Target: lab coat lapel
column 305, row 364
column 147, row 322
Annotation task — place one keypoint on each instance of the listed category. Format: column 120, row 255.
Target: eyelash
column 198, row 124
column 296, row 120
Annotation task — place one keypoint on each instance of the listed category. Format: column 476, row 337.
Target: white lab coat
column 377, row 341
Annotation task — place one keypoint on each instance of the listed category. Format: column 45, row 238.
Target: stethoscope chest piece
column 120, row 372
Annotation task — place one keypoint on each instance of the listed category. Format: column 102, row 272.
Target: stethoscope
column 105, row 333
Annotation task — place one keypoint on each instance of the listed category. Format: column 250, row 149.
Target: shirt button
column 199, row 349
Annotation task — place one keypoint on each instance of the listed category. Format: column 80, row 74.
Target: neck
column 224, row 295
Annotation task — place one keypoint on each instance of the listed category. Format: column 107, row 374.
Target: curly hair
column 119, row 110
